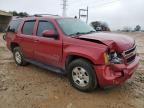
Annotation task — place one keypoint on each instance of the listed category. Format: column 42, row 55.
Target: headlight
column 113, row 58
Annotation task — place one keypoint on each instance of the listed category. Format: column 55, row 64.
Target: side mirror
column 49, row 34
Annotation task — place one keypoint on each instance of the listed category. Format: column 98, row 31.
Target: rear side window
column 14, row 24
column 44, row 25
column 28, row 27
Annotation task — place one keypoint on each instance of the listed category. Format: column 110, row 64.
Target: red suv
column 70, row 46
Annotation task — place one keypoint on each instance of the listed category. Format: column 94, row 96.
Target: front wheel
column 82, row 75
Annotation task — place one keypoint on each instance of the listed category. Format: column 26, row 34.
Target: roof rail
column 40, row 15
column 35, row 15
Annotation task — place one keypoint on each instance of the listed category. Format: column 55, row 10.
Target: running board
column 47, row 67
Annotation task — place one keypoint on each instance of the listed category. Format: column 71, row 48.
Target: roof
column 45, row 16
column 39, row 17
column 3, row 13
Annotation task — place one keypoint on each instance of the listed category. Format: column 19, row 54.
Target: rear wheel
column 82, row 75
column 18, row 56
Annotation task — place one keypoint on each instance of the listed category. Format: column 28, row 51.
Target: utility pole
column 84, row 15
column 64, row 7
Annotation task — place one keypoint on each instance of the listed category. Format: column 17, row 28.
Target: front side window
column 44, row 25
column 28, row 27
column 74, row 26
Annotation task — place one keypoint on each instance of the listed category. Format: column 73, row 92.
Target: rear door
column 27, row 38
column 47, row 50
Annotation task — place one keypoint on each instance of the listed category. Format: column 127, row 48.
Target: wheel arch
column 72, row 57
column 13, row 45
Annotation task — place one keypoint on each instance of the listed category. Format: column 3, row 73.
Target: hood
column 122, row 42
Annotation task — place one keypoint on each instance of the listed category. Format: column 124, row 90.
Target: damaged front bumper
column 115, row 74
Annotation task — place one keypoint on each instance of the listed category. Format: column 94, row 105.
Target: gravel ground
column 33, row 87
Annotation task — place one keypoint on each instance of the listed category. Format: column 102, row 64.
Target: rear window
column 28, row 27
column 14, row 24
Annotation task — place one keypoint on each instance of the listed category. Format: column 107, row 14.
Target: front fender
column 96, row 56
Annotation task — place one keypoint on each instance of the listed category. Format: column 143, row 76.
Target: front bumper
column 114, row 74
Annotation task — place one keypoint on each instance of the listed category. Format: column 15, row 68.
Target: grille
column 131, row 59
column 130, row 54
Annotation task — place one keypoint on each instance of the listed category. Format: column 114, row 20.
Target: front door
column 47, row 50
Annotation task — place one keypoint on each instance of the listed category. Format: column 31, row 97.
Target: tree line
column 129, row 29
column 20, row 14
column 100, row 26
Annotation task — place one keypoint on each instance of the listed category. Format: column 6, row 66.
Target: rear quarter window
column 14, row 24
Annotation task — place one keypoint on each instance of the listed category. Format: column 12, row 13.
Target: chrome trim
column 133, row 48
column 130, row 54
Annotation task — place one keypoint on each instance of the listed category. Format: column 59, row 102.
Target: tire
column 82, row 75
column 18, row 57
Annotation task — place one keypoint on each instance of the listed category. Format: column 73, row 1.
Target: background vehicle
column 69, row 46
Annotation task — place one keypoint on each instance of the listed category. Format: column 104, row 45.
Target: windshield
column 74, row 26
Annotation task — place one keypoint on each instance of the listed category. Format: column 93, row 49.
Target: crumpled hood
column 122, row 42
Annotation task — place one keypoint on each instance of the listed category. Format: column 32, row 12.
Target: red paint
column 113, row 75
column 55, row 51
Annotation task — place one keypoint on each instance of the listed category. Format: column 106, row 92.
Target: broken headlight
column 115, row 58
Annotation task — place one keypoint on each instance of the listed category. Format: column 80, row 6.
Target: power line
column 93, row 3
column 84, row 1
column 96, row 5
column 73, row 2
column 103, row 4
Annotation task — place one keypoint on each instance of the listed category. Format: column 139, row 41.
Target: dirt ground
column 33, row 87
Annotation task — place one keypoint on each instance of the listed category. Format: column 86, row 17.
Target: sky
column 117, row 13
